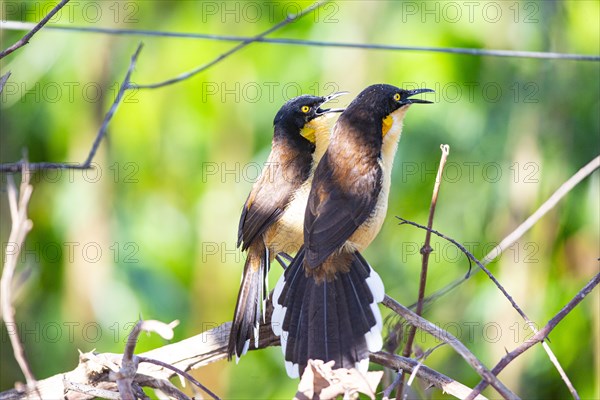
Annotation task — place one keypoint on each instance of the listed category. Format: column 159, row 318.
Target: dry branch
column 542, row 334
column 25, row 39
column 514, row 304
column 526, row 225
column 440, row 381
column 425, row 252
column 16, row 167
column 21, row 225
column 231, row 51
column 456, row 344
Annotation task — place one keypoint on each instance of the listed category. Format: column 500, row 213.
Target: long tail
column 334, row 319
column 251, row 298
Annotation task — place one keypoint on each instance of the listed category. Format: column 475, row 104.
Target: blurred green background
column 151, row 230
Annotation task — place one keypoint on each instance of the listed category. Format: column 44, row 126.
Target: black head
column 378, row 101
column 300, row 110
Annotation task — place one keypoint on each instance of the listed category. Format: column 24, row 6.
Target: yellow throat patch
column 309, row 132
column 387, row 124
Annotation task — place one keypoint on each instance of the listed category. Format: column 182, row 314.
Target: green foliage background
column 163, row 203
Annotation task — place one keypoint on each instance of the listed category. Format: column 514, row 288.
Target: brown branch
column 541, row 335
column 179, row 372
column 87, row 164
column 129, row 364
column 21, row 225
column 432, row 377
column 516, row 234
column 456, row 344
column 289, row 19
column 514, row 304
column 425, row 251
column 25, row 39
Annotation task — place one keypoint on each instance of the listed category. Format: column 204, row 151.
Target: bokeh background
column 151, row 230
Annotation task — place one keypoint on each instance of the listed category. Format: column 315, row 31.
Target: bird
column 325, row 303
column 272, row 217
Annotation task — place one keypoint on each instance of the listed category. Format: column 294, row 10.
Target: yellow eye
column 305, row 109
column 397, row 97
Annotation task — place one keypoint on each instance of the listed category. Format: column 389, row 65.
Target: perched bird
column 273, row 215
column 325, row 303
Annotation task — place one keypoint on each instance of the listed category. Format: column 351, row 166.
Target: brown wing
column 341, row 199
column 283, row 174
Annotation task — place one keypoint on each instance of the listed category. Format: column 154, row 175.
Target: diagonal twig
column 514, row 304
column 289, row 19
column 25, row 39
column 179, row 372
column 456, row 344
column 21, row 225
column 425, row 251
column 15, row 167
column 515, row 235
column 541, row 335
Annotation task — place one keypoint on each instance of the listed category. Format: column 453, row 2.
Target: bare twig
column 421, row 360
column 289, row 19
column 456, row 344
column 21, row 225
column 180, row 372
column 514, row 304
column 515, row 235
column 541, row 335
column 17, row 25
column 425, row 252
column 25, row 39
column 129, row 364
column 3, row 81
column 430, row 376
column 15, row 167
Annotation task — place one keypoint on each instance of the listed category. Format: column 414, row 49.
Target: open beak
column 321, row 111
column 409, row 93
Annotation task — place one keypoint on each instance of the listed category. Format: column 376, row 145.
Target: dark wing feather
column 336, row 209
column 270, row 195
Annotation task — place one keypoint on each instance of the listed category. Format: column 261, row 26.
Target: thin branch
column 425, row 252
column 515, row 235
column 15, row 167
column 111, row 112
column 289, row 19
column 17, row 25
column 514, row 304
column 25, row 39
column 3, row 81
column 430, row 376
column 421, row 360
column 129, row 363
column 179, row 372
column 456, row 344
column 21, row 225
column 542, row 334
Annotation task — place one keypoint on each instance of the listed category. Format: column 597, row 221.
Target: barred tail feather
column 251, row 298
column 336, row 319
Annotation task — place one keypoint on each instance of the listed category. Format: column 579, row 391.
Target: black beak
column 321, row 111
column 410, row 93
